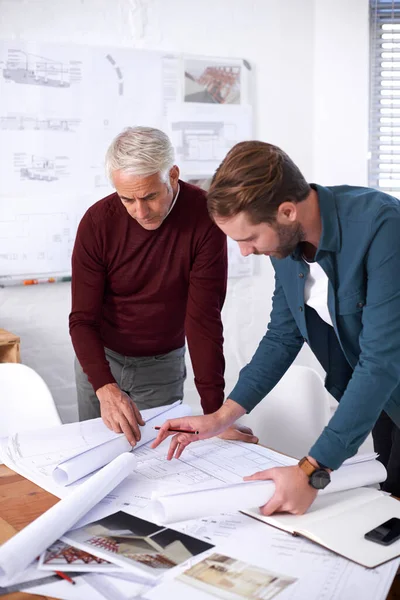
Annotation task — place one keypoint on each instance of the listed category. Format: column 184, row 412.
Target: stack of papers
column 208, row 490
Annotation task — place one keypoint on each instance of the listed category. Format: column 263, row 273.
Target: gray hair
column 141, row 151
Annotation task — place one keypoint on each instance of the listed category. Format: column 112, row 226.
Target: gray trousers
column 149, row 381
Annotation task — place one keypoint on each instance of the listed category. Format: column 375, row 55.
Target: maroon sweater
column 139, row 292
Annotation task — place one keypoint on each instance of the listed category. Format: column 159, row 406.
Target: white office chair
column 293, row 414
column 25, row 400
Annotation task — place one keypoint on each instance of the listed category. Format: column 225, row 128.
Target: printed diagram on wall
column 211, row 82
column 203, row 134
column 203, row 141
column 36, row 123
column 60, row 107
column 41, row 168
column 37, row 238
column 31, row 69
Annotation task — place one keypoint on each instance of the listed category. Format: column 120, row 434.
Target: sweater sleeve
column 88, row 282
column 203, row 325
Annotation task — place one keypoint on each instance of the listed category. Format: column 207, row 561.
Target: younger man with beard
column 336, row 256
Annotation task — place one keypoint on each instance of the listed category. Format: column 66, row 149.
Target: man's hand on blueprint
column 293, row 493
column 203, row 428
column 240, row 433
column 119, row 412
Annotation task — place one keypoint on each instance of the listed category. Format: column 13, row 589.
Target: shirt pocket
column 351, row 304
column 349, row 312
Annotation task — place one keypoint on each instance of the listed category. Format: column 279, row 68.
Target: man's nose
column 245, row 250
column 142, row 210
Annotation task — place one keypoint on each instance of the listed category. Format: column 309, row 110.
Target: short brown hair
column 255, row 177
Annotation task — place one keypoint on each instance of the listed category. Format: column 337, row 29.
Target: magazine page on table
column 137, row 545
column 64, row 557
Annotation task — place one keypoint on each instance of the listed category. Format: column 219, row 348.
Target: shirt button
column 300, row 308
column 301, row 275
column 360, row 304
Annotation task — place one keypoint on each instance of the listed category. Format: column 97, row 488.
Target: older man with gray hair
column 149, row 267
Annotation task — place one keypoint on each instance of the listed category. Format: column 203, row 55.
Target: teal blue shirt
column 359, row 251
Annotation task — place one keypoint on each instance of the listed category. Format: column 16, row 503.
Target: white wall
column 299, row 105
column 341, row 92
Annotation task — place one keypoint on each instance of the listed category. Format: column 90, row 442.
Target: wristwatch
column 318, row 478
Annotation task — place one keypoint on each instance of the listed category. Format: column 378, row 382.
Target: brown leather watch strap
column 306, row 466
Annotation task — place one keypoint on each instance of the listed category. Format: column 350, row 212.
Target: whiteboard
column 60, row 107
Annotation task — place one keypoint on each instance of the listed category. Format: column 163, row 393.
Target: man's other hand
column 119, row 412
column 240, row 433
column 293, row 493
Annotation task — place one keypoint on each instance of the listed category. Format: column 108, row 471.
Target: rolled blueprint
column 18, row 552
column 193, row 505
column 78, row 466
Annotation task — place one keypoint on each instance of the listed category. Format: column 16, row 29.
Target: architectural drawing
column 36, row 242
column 26, row 68
column 211, row 82
column 208, row 141
column 62, row 104
column 40, row 168
column 20, row 122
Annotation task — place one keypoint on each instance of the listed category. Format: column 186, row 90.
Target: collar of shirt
column 173, row 202
column 330, row 237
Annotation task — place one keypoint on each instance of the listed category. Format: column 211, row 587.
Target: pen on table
column 38, row 280
column 12, row 281
column 52, row 279
column 180, row 430
column 64, row 576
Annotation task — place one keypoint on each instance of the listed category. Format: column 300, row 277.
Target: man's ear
column 286, row 213
column 174, row 175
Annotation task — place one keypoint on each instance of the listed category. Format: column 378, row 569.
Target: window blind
column 384, row 162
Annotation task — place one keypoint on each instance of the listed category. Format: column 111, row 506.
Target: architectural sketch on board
column 211, row 82
column 21, row 122
column 62, row 104
column 208, row 141
column 27, row 68
column 40, row 168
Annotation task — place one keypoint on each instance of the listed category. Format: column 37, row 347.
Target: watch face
column 320, row 479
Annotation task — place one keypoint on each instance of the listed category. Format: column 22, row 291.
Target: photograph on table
column 63, row 557
column 136, row 544
column 233, row 579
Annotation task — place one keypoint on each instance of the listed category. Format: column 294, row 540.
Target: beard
column 290, row 236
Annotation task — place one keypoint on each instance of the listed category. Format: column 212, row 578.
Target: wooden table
column 9, row 347
column 21, row 501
